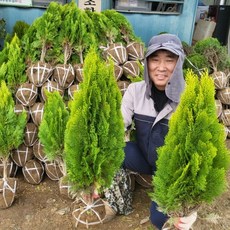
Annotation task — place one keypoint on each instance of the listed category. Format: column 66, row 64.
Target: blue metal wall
column 145, row 25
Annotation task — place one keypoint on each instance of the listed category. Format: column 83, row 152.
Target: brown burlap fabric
column 33, row 171
column 8, row 187
column 64, row 75
column 224, row 95
column 123, row 86
column 72, row 89
column 220, row 79
column 131, row 68
column 39, row 72
column 22, row 154
column 117, row 52
column 36, row 112
column 27, row 94
column 11, row 168
column 135, row 51
column 19, row 108
column 219, row 108
column 118, row 71
column 79, row 72
column 31, row 134
column 51, row 86
column 38, row 150
column 225, row 117
column 53, row 170
column 88, row 214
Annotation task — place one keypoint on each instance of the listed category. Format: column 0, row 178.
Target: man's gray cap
column 176, row 83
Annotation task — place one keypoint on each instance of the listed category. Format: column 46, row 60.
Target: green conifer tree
column 52, row 128
column 94, row 138
column 12, row 125
column 192, row 164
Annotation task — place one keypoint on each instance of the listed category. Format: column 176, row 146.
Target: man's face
column 160, row 67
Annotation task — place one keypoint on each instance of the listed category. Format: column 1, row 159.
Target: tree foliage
column 12, row 125
column 192, row 164
column 94, row 139
column 52, row 128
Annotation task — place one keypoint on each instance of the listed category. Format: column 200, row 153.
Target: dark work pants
column 135, row 161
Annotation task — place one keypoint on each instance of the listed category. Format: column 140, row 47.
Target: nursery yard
column 40, row 207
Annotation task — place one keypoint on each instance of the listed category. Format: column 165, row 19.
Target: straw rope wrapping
column 31, row 134
column 79, row 72
column 224, row 95
column 225, row 117
column 27, row 94
column 64, row 75
column 19, row 108
column 53, row 170
column 11, row 168
column 135, row 51
column 220, row 79
column 38, row 150
column 72, row 89
column 36, row 112
column 123, row 85
column 51, row 86
column 21, row 155
column 118, row 53
column 39, row 73
column 88, row 207
column 219, row 107
column 33, row 172
column 131, row 68
column 118, row 71
column 5, row 187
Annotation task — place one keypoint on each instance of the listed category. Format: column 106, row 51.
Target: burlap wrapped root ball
column 225, row 117
column 31, row 134
column 64, row 75
column 27, row 94
column 135, row 51
column 224, row 95
column 220, row 79
column 123, row 85
column 118, row 71
column 65, row 188
column 36, row 112
column 51, row 86
column 72, row 89
column 38, row 73
column 22, row 154
column 38, row 150
column 78, row 68
column 33, row 171
column 19, row 108
column 11, row 168
column 53, row 170
column 88, row 213
column 117, row 52
column 8, row 187
column 219, row 108
column 131, row 68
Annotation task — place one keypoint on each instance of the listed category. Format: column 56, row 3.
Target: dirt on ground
column 40, row 207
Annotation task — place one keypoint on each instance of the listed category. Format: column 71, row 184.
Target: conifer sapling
column 192, row 164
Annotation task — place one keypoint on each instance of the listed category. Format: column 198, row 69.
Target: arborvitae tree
column 122, row 24
column 52, row 128
column 67, row 35
column 42, row 33
column 105, row 32
column 94, row 138
column 15, row 65
column 12, row 126
column 192, row 164
column 84, row 33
